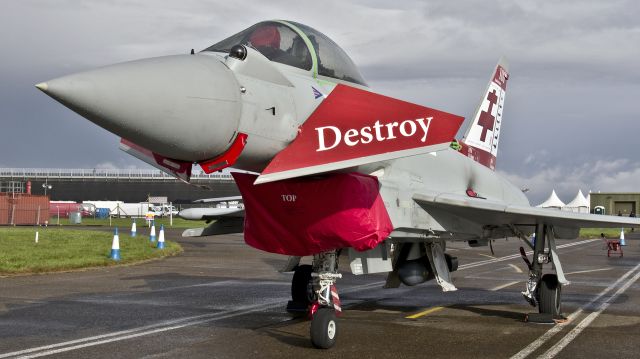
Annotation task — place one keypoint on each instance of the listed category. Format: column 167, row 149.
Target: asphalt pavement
column 223, row 299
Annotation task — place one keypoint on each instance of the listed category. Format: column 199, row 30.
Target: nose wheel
column 324, row 312
column 324, row 328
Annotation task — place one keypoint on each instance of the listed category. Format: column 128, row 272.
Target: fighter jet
column 228, row 217
column 337, row 168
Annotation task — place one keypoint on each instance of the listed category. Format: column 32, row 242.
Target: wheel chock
column 539, row 318
column 544, row 318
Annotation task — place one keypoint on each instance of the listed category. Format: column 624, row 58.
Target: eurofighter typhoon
column 329, row 165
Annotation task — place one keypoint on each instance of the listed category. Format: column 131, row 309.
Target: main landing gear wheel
column 300, row 284
column 324, row 328
column 300, row 290
column 550, row 294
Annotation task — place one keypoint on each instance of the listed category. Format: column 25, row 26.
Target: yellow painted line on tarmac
column 423, row 313
column 486, row 255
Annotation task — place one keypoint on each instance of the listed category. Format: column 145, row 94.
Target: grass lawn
column 123, row 223
column 608, row 232
column 63, row 249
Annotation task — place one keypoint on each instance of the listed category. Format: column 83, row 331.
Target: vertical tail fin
column 480, row 142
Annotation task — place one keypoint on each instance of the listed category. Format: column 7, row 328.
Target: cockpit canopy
column 295, row 45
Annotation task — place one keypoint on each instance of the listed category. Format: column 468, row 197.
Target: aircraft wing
column 218, row 199
column 226, row 221
column 492, row 213
column 209, row 214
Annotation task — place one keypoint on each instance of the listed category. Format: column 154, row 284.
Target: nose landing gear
column 313, row 291
column 324, row 311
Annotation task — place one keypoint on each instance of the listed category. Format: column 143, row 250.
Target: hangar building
column 131, row 186
column 614, row 203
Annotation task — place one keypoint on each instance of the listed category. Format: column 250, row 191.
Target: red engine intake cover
column 309, row 215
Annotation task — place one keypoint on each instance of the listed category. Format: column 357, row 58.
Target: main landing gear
column 313, row 292
column 544, row 291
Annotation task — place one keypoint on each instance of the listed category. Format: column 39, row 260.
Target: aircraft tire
column 324, row 328
column 300, row 284
column 550, row 295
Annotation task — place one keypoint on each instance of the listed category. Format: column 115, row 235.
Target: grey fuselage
column 440, row 172
column 191, row 107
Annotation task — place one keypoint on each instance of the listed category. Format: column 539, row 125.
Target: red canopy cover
column 309, row 215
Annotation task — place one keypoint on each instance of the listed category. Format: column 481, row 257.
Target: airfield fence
column 21, row 209
column 97, row 173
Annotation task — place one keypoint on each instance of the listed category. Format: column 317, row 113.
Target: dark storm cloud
column 572, row 99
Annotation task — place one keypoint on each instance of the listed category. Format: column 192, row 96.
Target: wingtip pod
column 353, row 127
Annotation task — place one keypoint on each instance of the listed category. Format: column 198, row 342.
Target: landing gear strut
column 544, row 291
column 313, row 292
column 325, row 307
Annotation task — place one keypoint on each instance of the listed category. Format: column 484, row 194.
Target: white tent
column 552, row 202
column 579, row 204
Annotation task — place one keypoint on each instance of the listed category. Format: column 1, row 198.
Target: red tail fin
column 481, row 139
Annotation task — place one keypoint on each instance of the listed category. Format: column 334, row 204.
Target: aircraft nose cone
column 185, row 107
column 43, row 86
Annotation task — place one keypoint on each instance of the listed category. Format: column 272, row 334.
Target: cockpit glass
column 275, row 41
column 332, row 60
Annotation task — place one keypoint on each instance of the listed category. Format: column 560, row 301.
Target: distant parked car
column 87, row 209
column 163, row 210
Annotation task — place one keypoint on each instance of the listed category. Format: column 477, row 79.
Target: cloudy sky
column 572, row 114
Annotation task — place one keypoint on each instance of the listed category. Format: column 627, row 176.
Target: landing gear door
column 376, row 260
